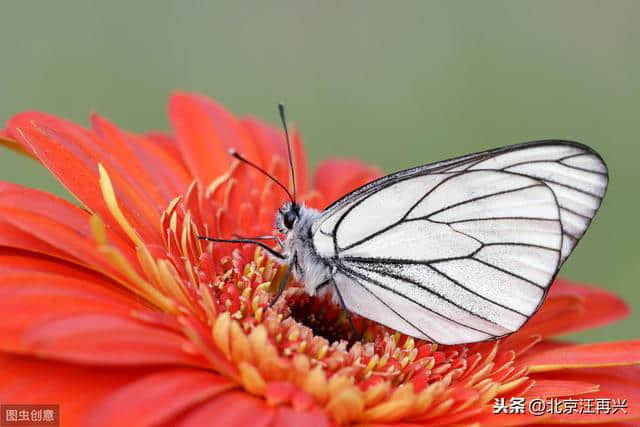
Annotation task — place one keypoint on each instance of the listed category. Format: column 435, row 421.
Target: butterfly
column 453, row 252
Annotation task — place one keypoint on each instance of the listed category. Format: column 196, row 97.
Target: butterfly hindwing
column 462, row 250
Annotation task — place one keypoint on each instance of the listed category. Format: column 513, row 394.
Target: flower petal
column 488, row 418
column 615, row 383
column 41, row 222
column 335, row 178
column 7, row 141
column 286, row 417
column 17, row 263
column 560, row 387
column 162, row 176
column 72, row 154
column 572, row 307
column 76, row 388
column 619, row 353
column 270, row 142
column 69, row 319
column 157, row 397
column 205, row 132
column 235, row 408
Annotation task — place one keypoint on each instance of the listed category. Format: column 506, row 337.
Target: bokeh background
column 395, row 83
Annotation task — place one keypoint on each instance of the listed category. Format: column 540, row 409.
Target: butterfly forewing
column 462, row 250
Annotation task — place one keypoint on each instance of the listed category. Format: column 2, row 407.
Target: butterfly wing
column 462, row 250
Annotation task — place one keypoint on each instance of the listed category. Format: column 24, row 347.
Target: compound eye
column 289, row 219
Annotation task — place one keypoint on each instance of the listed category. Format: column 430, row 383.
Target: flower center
column 323, row 317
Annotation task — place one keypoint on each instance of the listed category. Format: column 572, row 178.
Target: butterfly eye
column 290, row 218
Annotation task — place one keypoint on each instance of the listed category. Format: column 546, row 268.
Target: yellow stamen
column 111, row 201
column 316, row 384
column 251, row 379
column 221, row 334
column 376, row 393
column 397, row 406
column 142, row 288
column 511, row 385
column 98, row 230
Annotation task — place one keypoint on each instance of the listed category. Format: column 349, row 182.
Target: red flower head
column 119, row 313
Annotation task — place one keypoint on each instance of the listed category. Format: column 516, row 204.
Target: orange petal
column 158, row 174
column 614, row 383
column 76, row 388
column 488, row 418
column 269, row 142
column 40, row 222
column 69, row 319
column 18, row 263
column 7, row 141
column 235, row 408
column 554, row 388
column 205, row 132
column 72, row 154
column 299, row 162
column 157, row 397
column 572, row 307
column 166, row 143
column 619, row 353
column 335, row 178
column 286, row 417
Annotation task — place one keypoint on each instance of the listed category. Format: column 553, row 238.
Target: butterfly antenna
column 237, row 155
column 286, row 133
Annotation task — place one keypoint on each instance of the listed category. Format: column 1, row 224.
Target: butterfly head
column 287, row 216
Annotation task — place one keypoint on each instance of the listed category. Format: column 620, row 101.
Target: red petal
column 72, row 154
column 615, row 383
column 163, row 177
column 488, row 418
column 583, row 355
column 572, row 307
column 205, row 132
column 167, row 143
column 40, row 222
column 290, row 417
column 75, row 388
column 299, row 162
column 157, row 397
column 554, row 388
column 337, row 177
column 9, row 142
column 234, row 408
column 17, row 263
column 69, row 319
column 270, row 143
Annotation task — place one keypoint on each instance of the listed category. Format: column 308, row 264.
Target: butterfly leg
column 283, row 282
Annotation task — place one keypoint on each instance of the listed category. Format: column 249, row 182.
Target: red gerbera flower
column 116, row 311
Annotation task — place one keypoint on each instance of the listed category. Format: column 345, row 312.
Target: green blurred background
column 394, row 83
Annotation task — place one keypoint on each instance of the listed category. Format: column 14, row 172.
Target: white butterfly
column 453, row 252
